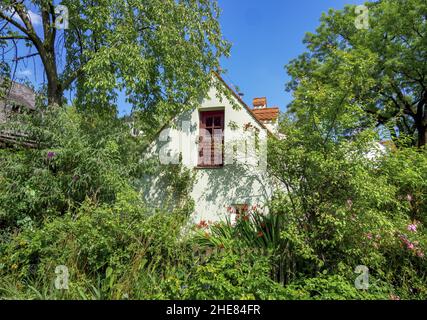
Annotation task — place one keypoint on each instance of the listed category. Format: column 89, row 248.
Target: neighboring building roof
column 266, row 114
column 20, row 94
column 17, row 95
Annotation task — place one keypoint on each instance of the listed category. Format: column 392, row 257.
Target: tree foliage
column 380, row 71
column 159, row 53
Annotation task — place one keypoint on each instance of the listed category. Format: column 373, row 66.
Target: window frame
column 202, row 125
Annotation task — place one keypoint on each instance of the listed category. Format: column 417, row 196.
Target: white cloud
column 24, row 73
column 35, row 18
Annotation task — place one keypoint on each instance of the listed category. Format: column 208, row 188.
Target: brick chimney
column 267, row 116
column 260, row 103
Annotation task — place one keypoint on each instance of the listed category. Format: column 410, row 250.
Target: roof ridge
column 241, row 101
column 266, row 108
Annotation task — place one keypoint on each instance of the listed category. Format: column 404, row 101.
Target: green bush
column 230, row 274
column 72, row 164
column 75, row 202
column 335, row 287
column 104, row 245
column 343, row 208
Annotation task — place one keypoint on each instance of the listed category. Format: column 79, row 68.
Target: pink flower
column 412, row 227
column 409, row 197
column 369, row 236
column 410, row 246
column 420, row 254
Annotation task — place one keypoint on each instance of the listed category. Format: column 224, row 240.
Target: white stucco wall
column 272, row 125
column 242, row 179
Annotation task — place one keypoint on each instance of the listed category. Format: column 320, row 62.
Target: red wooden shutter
column 211, row 139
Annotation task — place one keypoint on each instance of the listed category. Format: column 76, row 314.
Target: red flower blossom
column 202, row 224
column 260, row 234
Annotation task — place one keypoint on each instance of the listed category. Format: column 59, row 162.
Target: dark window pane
column 217, row 121
column 209, row 122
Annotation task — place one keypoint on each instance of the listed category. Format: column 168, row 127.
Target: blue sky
column 265, row 36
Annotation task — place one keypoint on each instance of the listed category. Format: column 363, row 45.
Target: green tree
column 159, row 52
column 380, row 71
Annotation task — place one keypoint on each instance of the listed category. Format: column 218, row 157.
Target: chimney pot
column 259, row 103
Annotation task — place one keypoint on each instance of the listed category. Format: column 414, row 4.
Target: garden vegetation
column 74, row 200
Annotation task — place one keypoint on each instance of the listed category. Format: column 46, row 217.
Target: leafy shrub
column 232, row 275
column 75, row 202
column 72, row 164
column 334, row 287
column 253, row 230
column 345, row 205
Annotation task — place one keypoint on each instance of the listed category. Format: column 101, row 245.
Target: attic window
column 211, row 139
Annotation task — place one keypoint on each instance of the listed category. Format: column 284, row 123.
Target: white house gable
column 225, row 144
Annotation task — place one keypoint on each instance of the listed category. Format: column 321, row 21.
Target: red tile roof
column 266, row 114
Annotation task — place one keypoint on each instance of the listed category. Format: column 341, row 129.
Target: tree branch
column 52, row 13
column 27, row 56
column 407, row 107
column 14, row 38
column 71, row 78
column 14, row 23
column 29, row 31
